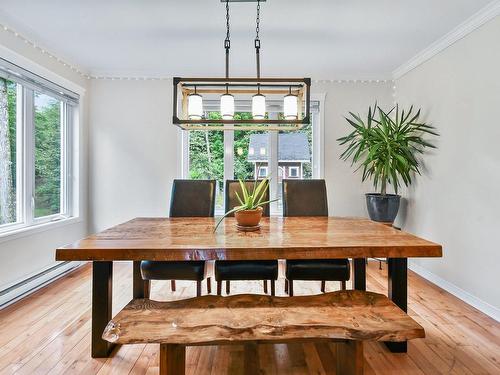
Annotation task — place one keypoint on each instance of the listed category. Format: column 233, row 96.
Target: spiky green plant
column 386, row 145
column 249, row 200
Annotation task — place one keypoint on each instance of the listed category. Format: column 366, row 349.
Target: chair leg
column 198, row 288
column 323, row 286
column 228, row 287
column 379, row 264
column 147, row 288
column 219, row 288
column 343, row 285
column 265, row 286
column 290, row 288
column 273, row 288
column 209, row 285
column 286, row 286
column 172, row 285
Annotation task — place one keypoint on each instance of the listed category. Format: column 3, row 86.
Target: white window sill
column 37, row 228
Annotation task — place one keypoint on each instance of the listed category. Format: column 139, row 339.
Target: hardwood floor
column 49, row 333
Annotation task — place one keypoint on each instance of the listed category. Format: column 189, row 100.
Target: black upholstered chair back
column 192, row 198
column 304, row 198
column 233, row 186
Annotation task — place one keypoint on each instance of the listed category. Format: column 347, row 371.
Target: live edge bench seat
column 345, row 317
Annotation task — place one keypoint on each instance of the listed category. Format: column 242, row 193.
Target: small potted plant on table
column 249, row 212
column 386, row 146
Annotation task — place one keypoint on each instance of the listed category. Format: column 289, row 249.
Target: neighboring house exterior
column 293, row 152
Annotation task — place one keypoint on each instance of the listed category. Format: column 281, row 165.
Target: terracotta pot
column 248, row 218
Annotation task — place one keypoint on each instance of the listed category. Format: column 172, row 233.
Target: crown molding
column 43, row 51
column 477, row 20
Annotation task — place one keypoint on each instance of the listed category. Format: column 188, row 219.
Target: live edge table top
column 279, row 238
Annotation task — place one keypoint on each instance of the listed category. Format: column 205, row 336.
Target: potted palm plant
column 249, row 212
column 386, row 146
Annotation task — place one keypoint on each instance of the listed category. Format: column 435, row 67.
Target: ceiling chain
column 227, row 41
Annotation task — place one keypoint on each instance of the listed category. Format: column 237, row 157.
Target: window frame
column 25, row 165
column 317, row 152
column 295, row 168
column 260, row 169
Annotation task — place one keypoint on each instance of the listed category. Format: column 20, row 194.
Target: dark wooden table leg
column 359, row 267
column 398, row 293
column 138, row 283
column 102, row 292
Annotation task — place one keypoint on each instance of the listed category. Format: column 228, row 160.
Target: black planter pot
column 383, row 208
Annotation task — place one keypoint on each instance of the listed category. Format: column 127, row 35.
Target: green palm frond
column 386, row 144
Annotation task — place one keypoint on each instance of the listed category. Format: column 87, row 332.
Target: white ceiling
column 324, row 39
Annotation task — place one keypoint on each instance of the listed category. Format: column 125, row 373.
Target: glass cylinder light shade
column 195, row 107
column 227, row 106
column 258, row 107
column 290, row 108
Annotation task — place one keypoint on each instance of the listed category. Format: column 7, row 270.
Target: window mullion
column 273, row 163
column 29, row 156
column 20, row 196
column 63, row 196
column 228, row 155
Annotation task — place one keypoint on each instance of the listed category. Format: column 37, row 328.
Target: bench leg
column 228, row 287
column 350, row 360
column 172, row 359
column 219, row 288
column 273, row 288
column 323, row 286
column 286, row 286
column 290, row 288
column 251, row 359
column 172, row 285
column 264, row 283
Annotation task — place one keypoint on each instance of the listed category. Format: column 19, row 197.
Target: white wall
column 25, row 255
column 456, row 203
column 135, row 150
column 345, row 190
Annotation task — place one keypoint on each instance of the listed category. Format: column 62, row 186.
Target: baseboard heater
column 29, row 285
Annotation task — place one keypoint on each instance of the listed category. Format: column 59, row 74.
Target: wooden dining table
column 191, row 239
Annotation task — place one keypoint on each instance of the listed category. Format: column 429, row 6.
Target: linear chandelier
column 189, row 94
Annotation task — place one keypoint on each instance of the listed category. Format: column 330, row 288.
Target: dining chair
column 233, row 270
column 189, row 198
column 309, row 198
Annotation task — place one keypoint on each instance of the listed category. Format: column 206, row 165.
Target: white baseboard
column 34, row 282
column 468, row 298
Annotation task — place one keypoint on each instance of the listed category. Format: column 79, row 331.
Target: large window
column 223, row 155
column 36, row 126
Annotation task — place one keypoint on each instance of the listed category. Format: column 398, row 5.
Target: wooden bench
column 346, row 317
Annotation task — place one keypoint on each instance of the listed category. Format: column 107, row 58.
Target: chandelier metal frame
column 183, row 88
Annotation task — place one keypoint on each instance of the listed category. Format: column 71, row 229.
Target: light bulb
column 258, row 107
column 195, row 107
column 227, row 106
column 290, row 107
